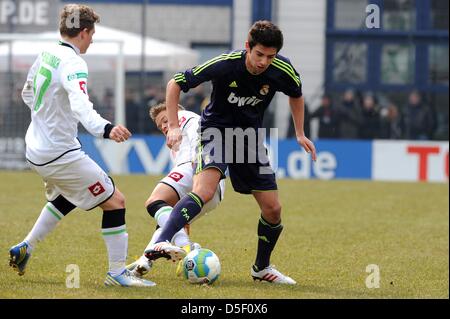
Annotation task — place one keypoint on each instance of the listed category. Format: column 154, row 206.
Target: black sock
column 63, row 205
column 267, row 238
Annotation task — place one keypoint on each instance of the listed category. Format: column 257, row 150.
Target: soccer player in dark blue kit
column 244, row 82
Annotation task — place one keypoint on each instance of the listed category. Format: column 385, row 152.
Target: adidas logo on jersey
column 233, row 84
column 241, row 101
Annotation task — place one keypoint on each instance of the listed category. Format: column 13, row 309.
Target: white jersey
column 189, row 122
column 56, row 93
column 181, row 177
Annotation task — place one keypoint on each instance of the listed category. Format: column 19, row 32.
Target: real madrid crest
column 264, row 89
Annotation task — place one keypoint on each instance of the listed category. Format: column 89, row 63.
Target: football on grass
column 201, row 266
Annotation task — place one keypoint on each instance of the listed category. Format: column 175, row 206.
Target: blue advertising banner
column 335, row 159
column 147, row 154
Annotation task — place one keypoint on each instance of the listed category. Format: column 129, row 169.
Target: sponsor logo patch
column 176, row 176
column 242, row 101
column 96, row 189
column 233, row 84
column 82, row 86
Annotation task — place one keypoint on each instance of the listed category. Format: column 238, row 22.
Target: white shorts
column 82, row 182
column 180, row 179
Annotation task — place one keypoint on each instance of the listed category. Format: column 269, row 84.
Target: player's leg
column 269, row 226
column 164, row 197
column 159, row 206
column 87, row 186
column 259, row 179
column 204, row 188
column 209, row 170
column 213, row 202
column 269, row 230
column 116, row 240
column 50, row 216
column 209, row 206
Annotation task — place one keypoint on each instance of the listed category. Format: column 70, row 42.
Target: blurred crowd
column 351, row 115
column 363, row 116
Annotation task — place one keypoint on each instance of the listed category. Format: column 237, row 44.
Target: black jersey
column 239, row 98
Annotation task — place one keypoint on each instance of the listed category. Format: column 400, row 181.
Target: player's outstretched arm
column 298, row 116
column 174, row 136
column 119, row 133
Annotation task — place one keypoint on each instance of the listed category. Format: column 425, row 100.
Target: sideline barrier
column 336, row 159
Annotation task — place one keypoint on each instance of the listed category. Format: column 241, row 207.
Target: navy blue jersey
column 239, row 98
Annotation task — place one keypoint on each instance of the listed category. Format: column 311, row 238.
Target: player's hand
column 119, row 133
column 173, row 139
column 308, row 146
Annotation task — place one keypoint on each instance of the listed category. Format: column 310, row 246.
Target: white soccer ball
column 201, row 266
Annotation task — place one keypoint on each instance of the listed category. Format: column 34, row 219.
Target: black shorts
column 248, row 173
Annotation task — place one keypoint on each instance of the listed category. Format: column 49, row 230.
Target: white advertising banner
column 410, row 161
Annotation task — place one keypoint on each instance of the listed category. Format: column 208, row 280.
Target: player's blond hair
column 74, row 18
column 158, row 108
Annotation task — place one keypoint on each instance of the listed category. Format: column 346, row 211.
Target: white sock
column 46, row 222
column 116, row 239
column 162, row 215
column 154, row 237
column 181, row 238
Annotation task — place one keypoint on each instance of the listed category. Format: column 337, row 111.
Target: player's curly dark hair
column 75, row 18
column 265, row 33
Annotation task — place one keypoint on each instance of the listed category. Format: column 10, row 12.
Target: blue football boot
column 18, row 257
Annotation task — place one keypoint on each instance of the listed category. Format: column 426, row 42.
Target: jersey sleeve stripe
column 288, row 66
column 179, row 77
column 288, row 71
column 208, row 62
column 222, row 57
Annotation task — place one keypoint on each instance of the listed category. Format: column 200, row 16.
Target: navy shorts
column 250, row 171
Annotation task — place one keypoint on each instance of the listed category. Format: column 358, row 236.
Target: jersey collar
column 69, row 45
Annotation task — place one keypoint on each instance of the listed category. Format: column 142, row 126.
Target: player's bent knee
column 154, row 206
column 119, row 198
column 273, row 213
column 117, row 201
column 205, row 194
column 149, row 201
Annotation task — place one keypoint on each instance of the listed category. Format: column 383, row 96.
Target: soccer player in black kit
column 244, row 82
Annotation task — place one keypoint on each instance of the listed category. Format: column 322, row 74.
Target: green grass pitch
column 332, row 231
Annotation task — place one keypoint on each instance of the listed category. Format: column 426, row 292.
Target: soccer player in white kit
column 56, row 93
column 176, row 184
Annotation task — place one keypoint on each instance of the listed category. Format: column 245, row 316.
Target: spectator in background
column 152, row 96
column 349, row 112
column 391, row 122
column 132, row 112
column 107, row 107
column 16, row 117
column 418, row 119
column 441, row 132
column 193, row 101
column 370, row 125
column 136, row 113
column 328, row 118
